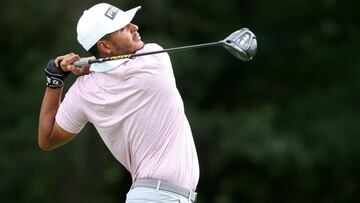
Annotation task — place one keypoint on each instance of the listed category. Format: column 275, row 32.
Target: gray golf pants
column 149, row 195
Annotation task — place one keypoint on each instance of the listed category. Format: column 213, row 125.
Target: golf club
column 241, row 43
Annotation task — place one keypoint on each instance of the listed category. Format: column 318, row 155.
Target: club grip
column 81, row 62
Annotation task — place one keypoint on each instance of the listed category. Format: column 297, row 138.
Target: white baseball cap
column 100, row 20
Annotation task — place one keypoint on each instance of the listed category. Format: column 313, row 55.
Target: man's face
column 127, row 40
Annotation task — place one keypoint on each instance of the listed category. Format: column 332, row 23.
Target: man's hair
column 94, row 49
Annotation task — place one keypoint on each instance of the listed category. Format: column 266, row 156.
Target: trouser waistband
column 165, row 186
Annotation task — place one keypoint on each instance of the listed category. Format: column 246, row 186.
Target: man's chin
column 140, row 45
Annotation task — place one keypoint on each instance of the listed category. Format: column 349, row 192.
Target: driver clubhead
column 242, row 44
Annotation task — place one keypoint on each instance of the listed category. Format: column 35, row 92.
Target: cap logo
column 111, row 12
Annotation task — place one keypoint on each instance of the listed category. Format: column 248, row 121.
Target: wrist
column 54, row 75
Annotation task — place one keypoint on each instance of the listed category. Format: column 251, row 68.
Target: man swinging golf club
column 133, row 103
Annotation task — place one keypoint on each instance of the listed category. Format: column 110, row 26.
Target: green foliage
column 281, row 128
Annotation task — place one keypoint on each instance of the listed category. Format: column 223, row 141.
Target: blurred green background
column 283, row 127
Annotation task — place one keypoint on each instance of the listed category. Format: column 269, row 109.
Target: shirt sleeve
column 70, row 115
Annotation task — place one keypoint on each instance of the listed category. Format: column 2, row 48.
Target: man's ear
column 104, row 46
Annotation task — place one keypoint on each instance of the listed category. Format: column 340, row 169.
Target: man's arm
column 50, row 134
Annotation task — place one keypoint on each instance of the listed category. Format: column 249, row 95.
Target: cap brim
column 126, row 18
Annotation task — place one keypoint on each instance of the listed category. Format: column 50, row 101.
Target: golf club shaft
column 83, row 62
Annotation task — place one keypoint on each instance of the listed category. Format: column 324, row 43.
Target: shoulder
column 152, row 47
column 147, row 65
column 80, row 88
column 160, row 58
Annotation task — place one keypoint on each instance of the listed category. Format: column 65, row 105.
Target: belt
column 165, row 186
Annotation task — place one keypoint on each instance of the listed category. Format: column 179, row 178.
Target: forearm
column 49, row 107
column 50, row 134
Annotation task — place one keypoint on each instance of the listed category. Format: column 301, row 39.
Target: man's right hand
column 66, row 64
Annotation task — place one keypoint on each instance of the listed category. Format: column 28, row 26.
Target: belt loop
column 192, row 196
column 158, row 185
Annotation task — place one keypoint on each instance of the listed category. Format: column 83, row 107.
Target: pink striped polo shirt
column 137, row 110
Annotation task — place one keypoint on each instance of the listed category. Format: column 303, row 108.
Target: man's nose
column 133, row 27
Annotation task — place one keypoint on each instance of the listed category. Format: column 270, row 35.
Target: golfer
column 133, row 103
